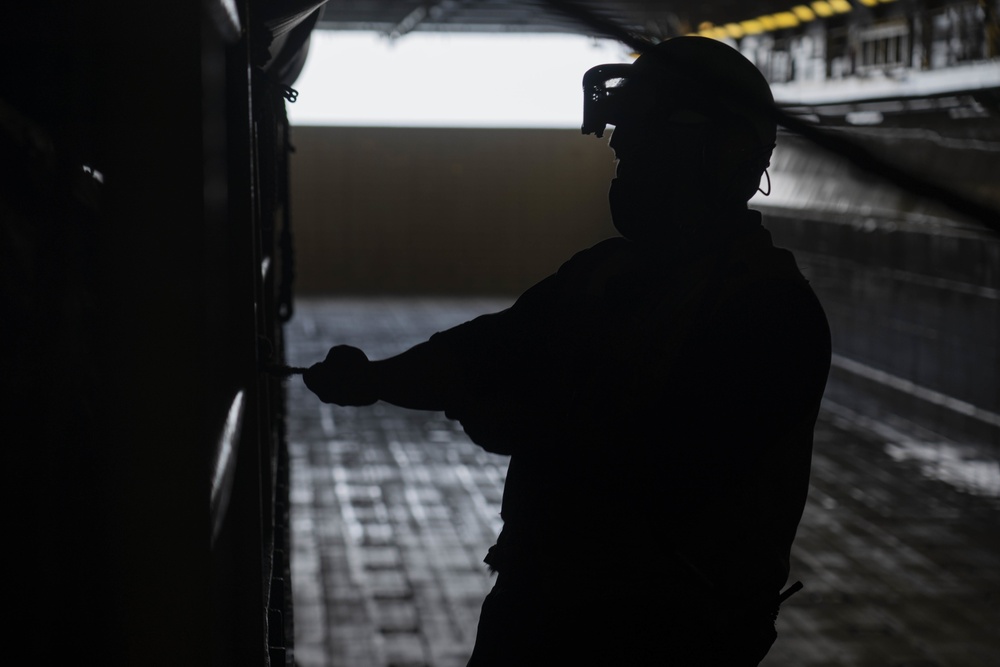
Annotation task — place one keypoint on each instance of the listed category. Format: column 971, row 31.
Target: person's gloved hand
column 345, row 377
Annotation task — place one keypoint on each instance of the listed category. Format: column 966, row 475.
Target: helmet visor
column 603, row 97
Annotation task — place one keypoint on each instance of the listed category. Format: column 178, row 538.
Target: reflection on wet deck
column 393, row 511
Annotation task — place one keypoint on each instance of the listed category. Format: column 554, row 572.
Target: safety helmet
column 690, row 72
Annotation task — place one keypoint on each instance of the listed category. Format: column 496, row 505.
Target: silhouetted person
column 657, row 395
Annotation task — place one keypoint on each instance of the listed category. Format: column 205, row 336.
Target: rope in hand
column 284, row 371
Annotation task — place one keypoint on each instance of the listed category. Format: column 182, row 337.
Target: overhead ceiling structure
column 655, row 19
column 640, row 23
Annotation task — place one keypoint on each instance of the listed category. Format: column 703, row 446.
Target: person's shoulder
column 600, row 251
column 756, row 254
column 590, row 272
column 597, row 255
column 760, row 272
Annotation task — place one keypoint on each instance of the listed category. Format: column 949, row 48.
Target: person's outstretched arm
column 420, row 378
column 442, row 373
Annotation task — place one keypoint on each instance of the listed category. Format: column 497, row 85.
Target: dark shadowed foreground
column 393, row 511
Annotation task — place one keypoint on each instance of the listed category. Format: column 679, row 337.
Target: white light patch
column 447, row 79
column 950, row 464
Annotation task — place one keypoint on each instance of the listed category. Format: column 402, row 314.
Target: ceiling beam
column 435, row 12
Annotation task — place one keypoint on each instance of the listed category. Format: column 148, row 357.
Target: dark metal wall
column 911, row 288
column 142, row 209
